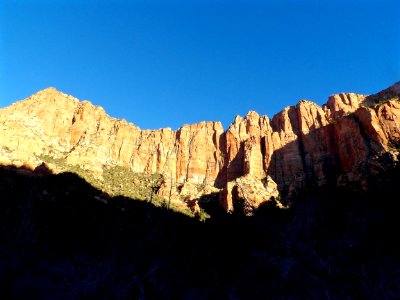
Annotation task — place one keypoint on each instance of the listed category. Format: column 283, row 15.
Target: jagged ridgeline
column 70, row 227
column 256, row 160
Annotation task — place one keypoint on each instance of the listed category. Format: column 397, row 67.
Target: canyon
column 255, row 160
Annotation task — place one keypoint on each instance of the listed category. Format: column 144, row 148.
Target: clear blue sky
column 167, row 63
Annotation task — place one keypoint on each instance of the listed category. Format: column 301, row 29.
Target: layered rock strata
column 250, row 162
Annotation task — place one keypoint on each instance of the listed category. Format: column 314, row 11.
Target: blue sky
column 168, row 63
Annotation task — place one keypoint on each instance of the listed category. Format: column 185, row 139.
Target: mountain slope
column 338, row 143
column 59, row 240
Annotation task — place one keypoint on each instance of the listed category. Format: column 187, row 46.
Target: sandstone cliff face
column 56, row 124
column 303, row 144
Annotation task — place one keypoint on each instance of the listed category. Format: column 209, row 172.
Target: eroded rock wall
column 302, row 144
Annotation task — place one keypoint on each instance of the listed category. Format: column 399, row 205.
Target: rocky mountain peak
column 253, row 161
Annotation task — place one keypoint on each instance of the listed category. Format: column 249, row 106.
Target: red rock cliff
column 302, row 144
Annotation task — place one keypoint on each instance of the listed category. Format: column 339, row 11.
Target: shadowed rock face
column 302, row 144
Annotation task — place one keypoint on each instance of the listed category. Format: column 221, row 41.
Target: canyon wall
column 253, row 160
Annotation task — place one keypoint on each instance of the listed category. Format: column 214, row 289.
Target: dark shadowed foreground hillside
column 59, row 239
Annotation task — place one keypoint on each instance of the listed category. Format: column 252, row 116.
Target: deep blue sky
column 167, row 63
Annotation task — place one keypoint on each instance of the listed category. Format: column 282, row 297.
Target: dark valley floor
column 58, row 240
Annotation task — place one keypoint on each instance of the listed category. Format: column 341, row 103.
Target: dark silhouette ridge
column 59, row 239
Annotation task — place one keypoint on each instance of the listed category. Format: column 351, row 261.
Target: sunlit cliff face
column 302, row 144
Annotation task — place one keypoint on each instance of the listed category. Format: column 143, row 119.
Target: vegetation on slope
column 58, row 241
column 380, row 98
column 120, row 181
